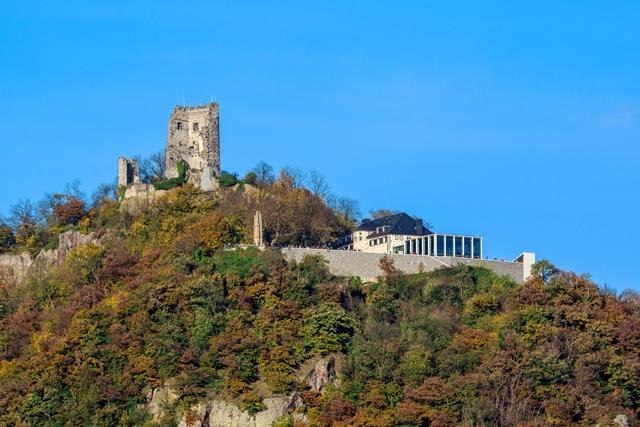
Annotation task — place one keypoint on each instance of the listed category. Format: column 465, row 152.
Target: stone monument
column 258, row 230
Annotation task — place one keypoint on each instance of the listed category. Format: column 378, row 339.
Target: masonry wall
column 365, row 264
column 194, row 137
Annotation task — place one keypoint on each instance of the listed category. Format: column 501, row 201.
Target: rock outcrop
column 218, row 413
column 158, row 400
column 139, row 197
column 621, row 421
column 15, row 269
column 324, row 372
column 317, row 374
column 67, row 242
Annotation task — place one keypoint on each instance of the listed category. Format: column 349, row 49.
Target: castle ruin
column 194, row 137
column 128, row 172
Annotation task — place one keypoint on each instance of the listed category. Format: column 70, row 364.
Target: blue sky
column 518, row 121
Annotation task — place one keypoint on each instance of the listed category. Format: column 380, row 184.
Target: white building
column 400, row 233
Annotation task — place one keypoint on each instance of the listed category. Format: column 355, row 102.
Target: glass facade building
column 443, row 245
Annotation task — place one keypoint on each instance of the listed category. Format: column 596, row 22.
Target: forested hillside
column 165, row 299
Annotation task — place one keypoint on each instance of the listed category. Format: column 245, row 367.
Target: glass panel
column 467, row 247
column 440, row 240
column 449, row 245
column 477, row 248
column 420, row 246
column 458, row 246
column 407, row 247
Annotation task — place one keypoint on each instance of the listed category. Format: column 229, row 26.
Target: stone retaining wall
column 365, row 264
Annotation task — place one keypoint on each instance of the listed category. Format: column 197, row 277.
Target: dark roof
column 398, row 224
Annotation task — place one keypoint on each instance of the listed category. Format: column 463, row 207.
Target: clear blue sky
column 518, row 121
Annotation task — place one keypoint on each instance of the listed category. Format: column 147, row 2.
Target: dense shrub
column 174, row 182
column 68, row 213
column 7, row 238
column 227, row 179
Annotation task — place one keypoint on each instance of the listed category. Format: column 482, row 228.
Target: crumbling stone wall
column 128, row 172
column 194, row 137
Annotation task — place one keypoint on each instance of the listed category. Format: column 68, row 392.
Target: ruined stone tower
column 128, row 172
column 194, row 137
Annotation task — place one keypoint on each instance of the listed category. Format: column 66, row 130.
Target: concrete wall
column 365, row 264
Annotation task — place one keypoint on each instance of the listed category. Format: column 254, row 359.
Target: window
column 196, row 127
column 179, row 125
column 440, row 242
column 477, row 248
column 467, row 247
column 449, row 242
column 458, row 246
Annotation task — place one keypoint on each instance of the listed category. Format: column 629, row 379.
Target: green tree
column 545, row 270
column 327, row 328
column 7, row 238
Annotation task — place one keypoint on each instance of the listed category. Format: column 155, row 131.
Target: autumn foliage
column 168, row 297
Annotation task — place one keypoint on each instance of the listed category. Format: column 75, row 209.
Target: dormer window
column 383, row 229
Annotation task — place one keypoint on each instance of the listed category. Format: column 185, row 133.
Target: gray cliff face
column 14, row 269
column 217, row 413
column 317, row 374
column 325, row 372
column 68, row 241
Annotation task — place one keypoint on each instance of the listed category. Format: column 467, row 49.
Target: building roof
column 400, row 223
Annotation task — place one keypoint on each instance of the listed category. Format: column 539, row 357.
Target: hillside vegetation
column 165, row 299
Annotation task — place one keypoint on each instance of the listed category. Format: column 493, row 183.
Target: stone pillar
column 122, row 172
column 258, row 230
